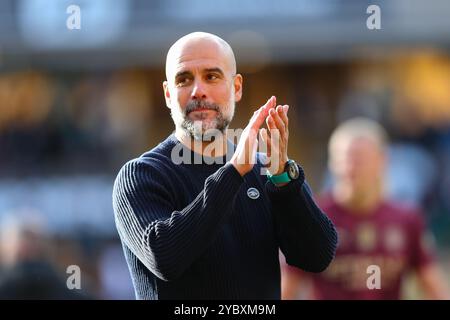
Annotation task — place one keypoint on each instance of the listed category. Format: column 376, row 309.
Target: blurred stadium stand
column 137, row 32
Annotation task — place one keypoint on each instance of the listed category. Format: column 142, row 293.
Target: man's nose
column 198, row 91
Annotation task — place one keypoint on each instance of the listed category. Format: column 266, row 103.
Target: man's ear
column 166, row 94
column 238, row 87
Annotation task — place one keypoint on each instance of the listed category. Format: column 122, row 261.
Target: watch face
column 293, row 171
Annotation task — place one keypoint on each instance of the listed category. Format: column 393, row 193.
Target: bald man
column 196, row 216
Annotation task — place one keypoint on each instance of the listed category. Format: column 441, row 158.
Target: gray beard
column 196, row 130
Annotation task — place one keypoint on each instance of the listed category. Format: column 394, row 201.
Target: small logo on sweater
column 253, row 193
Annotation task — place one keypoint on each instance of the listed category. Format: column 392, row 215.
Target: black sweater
column 192, row 231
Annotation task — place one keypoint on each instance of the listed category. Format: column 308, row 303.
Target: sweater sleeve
column 306, row 235
column 165, row 240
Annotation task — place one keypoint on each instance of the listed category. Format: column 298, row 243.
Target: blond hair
column 357, row 128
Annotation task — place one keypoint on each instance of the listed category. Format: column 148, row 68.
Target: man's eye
column 212, row 77
column 182, row 81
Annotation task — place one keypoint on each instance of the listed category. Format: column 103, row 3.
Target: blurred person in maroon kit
column 373, row 231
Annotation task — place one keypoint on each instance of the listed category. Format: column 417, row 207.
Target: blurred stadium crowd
column 65, row 130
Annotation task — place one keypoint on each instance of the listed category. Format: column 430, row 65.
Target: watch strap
column 280, row 178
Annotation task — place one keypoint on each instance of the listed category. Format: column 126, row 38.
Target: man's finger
column 266, row 139
column 283, row 115
column 263, row 111
column 275, row 132
column 259, row 116
column 270, row 122
column 277, row 119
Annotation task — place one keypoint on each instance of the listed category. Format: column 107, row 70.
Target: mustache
column 196, row 105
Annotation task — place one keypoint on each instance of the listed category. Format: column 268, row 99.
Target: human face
column 358, row 163
column 201, row 87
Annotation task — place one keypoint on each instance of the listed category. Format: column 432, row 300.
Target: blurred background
column 75, row 105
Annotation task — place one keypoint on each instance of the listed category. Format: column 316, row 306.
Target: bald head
column 201, row 86
column 199, row 45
